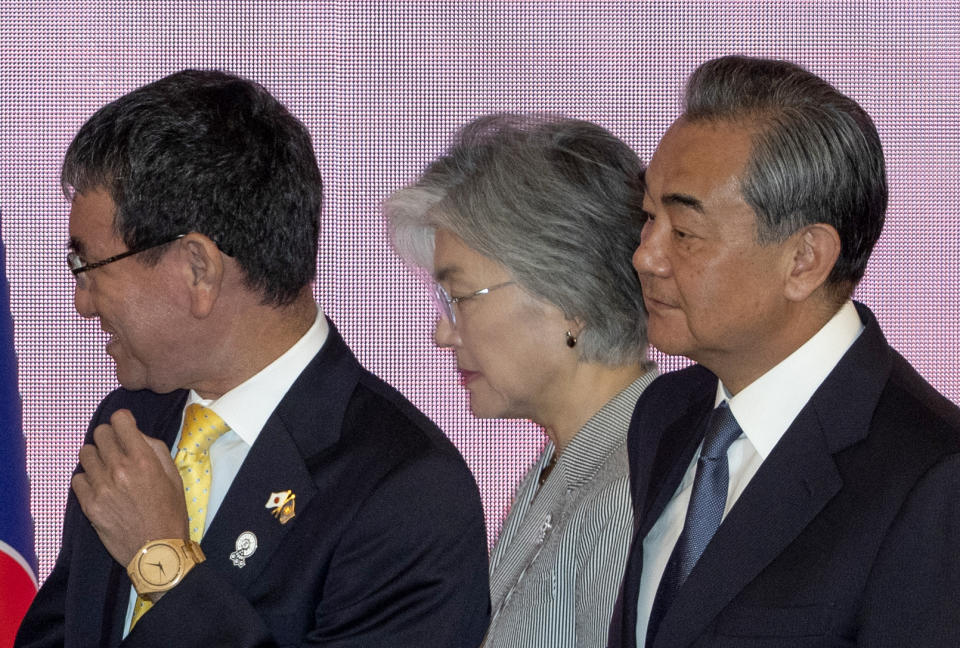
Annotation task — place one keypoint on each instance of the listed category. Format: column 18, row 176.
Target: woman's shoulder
column 605, row 500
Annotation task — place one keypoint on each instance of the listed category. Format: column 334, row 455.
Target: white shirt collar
column 246, row 407
column 767, row 406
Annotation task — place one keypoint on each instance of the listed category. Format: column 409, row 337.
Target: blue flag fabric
column 18, row 561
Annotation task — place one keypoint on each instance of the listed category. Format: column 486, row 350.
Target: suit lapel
column 674, row 453
column 307, row 420
column 791, row 487
column 600, row 439
column 273, row 464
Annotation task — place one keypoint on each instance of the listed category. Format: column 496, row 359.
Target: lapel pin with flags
column 282, row 503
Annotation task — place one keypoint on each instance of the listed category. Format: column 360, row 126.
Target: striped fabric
column 556, row 568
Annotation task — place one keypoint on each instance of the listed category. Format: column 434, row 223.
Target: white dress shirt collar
column 767, row 406
column 246, row 407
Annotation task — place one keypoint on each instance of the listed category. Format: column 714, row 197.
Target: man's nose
column 82, row 300
column 650, row 257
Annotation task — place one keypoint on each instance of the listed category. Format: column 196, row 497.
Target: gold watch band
column 193, row 552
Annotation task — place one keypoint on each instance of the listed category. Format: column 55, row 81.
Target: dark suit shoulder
column 678, row 388
column 669, row 398
column 410, row 536
column 375, row 436
column 910, row 597
column 375, row 400
column 910, row 400
column 381, row 419
column 148, row 408
column 912, row 428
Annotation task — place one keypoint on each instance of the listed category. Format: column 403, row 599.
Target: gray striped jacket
column 557, row 566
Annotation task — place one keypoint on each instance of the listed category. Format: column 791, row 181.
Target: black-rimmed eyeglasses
column 77, row 265
column 444, row 302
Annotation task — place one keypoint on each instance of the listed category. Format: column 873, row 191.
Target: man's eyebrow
column 76, row 245
column 684, row 200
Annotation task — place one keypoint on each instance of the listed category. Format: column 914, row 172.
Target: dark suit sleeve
column 409, row 571
column 913, row 594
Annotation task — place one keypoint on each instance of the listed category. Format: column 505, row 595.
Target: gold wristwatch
column 161, row 564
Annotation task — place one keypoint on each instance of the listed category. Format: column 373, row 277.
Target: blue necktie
column 707, row 501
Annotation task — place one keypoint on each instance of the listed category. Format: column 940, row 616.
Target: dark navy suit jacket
column 387, row 547
column 848, row 535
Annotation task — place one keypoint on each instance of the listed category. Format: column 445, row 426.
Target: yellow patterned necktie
column 201, row 427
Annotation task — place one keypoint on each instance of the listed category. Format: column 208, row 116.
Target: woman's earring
column 571, row 340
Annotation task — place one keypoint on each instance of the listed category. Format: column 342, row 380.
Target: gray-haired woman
column 528, row 225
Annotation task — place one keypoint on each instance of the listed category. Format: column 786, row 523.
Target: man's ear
column 815, row 250
column 202, row 272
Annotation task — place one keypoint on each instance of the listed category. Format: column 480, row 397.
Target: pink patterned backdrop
column 381, row 85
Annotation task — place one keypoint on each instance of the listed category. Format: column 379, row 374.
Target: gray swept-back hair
column 816, row 157
column 556, row 201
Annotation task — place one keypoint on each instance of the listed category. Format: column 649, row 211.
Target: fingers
column 111, row 441
column 130, row 489
column 126, row 433
column 106, row 444
column 80, row 484
column 162, row 453
column 91, row 461
column 118, row 452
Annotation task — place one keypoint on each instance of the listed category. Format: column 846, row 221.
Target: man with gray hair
column 794, row 488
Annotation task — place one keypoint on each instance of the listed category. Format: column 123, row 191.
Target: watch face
column 159, row 565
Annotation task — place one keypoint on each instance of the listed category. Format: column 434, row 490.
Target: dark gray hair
column 210, row 152
column 554, row 200
column 817, row 156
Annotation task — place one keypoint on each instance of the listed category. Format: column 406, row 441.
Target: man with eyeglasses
column 250, row 484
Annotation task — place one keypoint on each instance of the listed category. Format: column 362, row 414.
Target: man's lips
column 111, row 338
column 467, row 376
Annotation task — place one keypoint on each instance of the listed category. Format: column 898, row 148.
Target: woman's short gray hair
column 554, row 200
